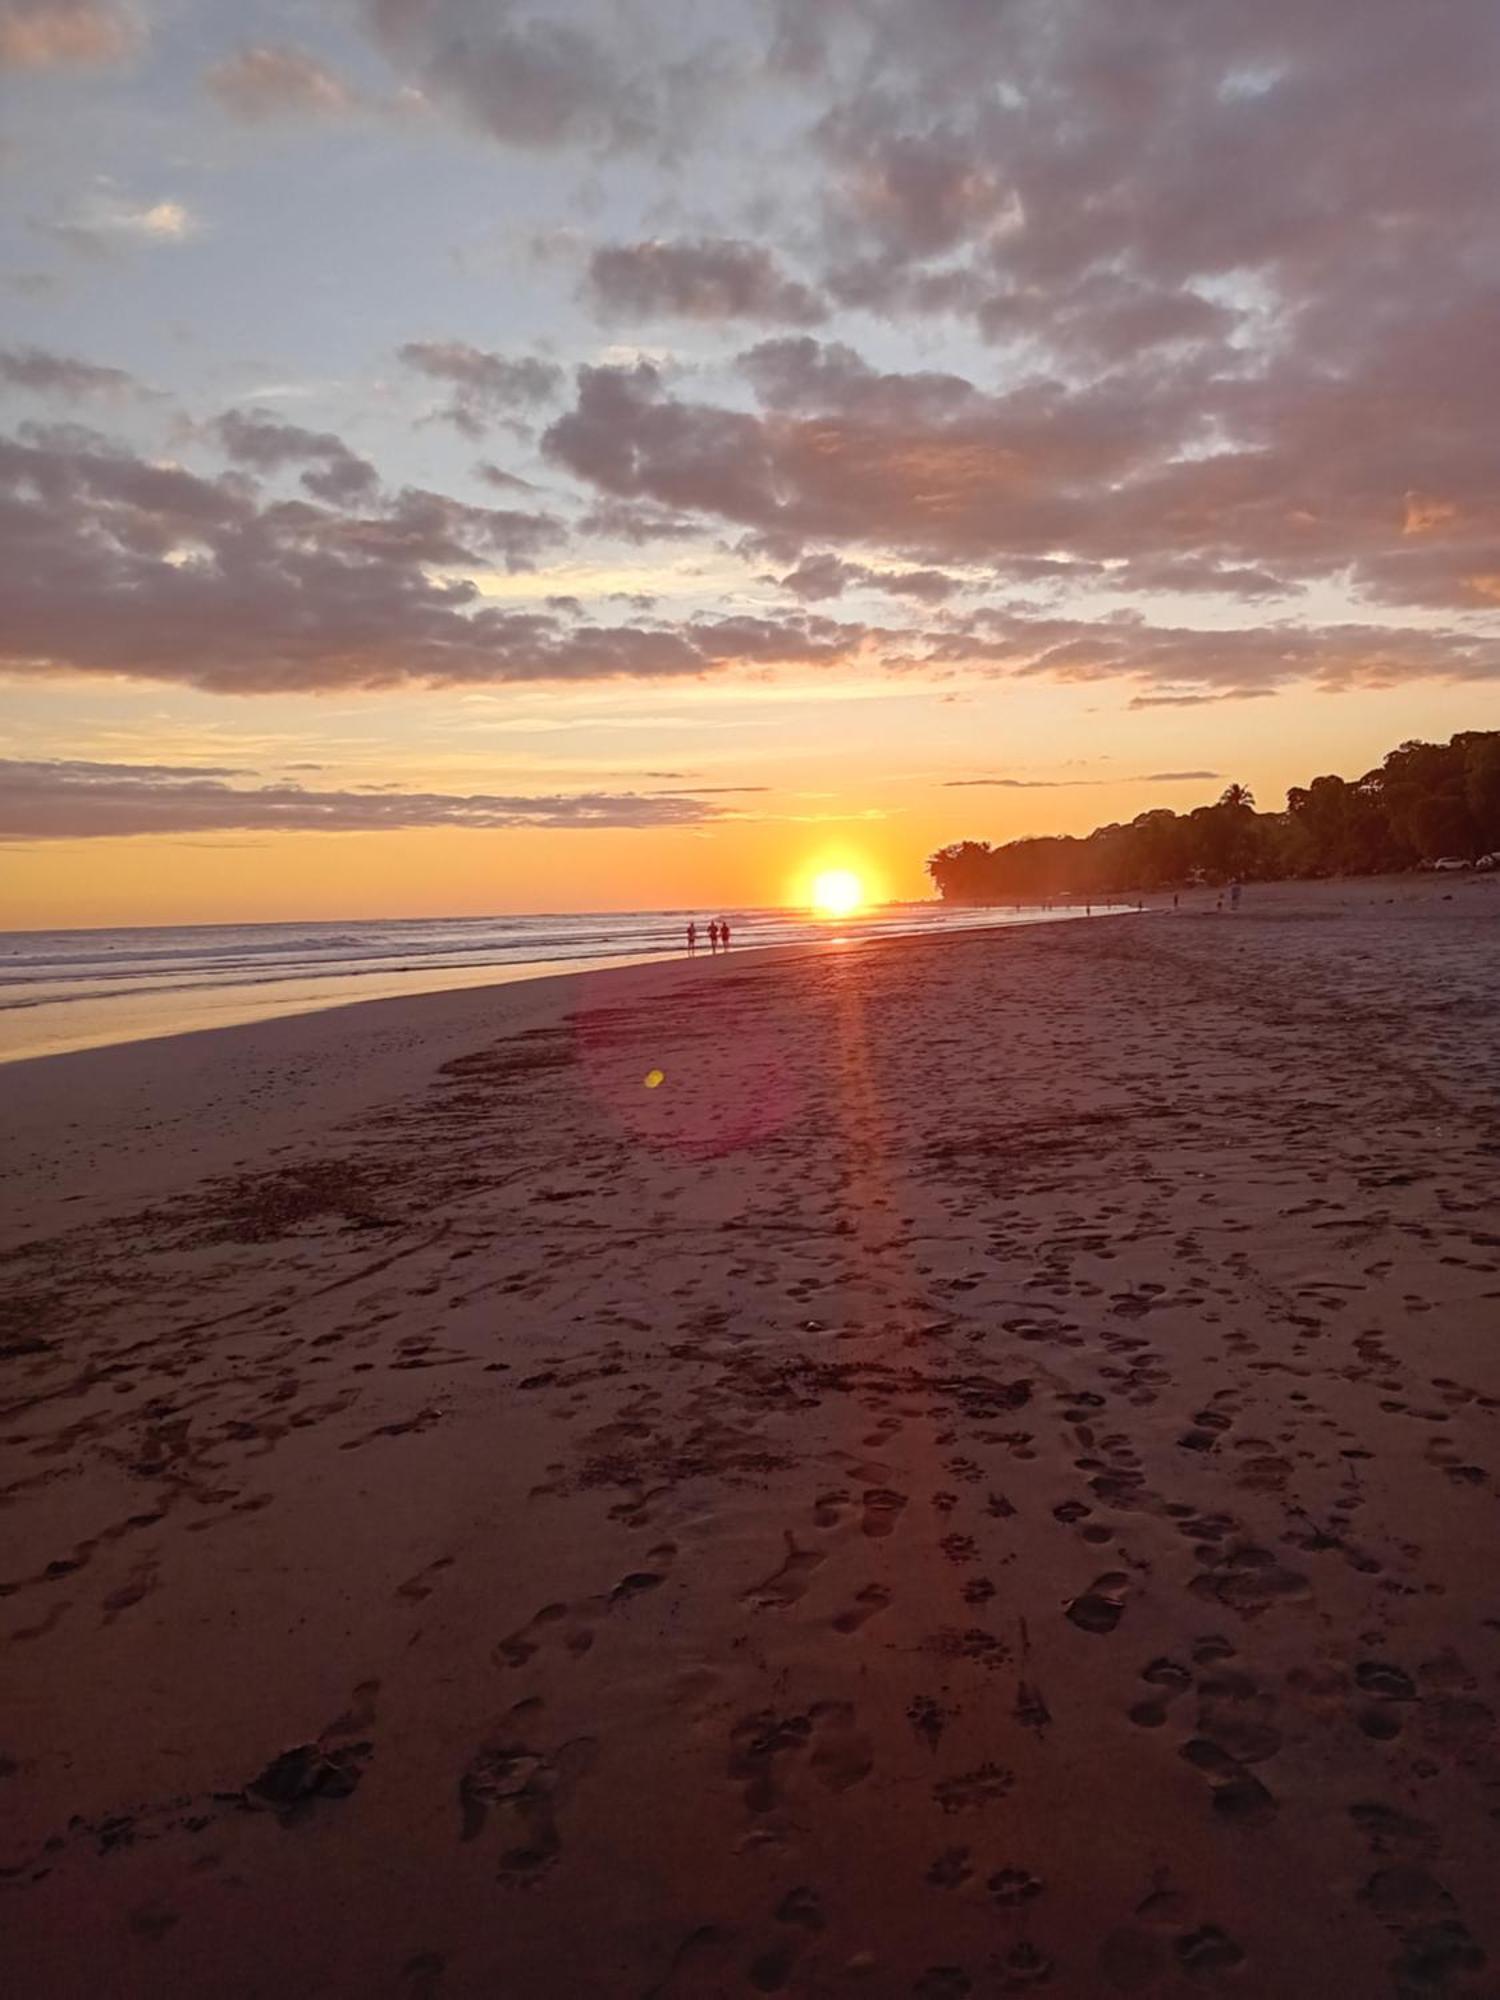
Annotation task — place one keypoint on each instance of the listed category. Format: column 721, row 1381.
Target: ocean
column 80, row 989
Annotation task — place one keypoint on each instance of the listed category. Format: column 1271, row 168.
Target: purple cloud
column 252, row 438
column 535, row 83
column 706, row 278
column 485, row 387
column 48, row 374
column 66, row 800
column 126, row 568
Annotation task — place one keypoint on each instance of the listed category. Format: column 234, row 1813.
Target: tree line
column 1426, row 801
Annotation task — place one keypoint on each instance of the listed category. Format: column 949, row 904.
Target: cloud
column 1111, row 481
column 252, row 438
column 628, row 521
column 81, row 801
column 916, row 193
column 485, row 386
column 48, row 374
column 539, row 84
column 1075, row 784
column 64, row 34
column 924, row 465
column 124, row 567
column 261, row 83
column 704, row 278
column 1180, row 666
column 102, row 222
column 506, row 482
column 1233, row 336
column 1199, row 700
column 823, row 576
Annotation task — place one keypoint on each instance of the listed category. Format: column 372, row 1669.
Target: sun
column 837, row 892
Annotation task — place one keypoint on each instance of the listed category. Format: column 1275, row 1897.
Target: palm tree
column 1238, row 795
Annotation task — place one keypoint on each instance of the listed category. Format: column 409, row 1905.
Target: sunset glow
column 838, row 892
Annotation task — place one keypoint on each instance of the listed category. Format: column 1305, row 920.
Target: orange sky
column 872, row 810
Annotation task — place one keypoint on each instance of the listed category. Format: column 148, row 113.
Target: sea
column 82, row 989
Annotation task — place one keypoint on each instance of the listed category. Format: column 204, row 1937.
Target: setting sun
column 838, row 892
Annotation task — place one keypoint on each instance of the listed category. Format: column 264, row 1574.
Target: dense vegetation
column 1426, row 801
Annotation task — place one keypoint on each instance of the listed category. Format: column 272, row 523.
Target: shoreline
column 130, row 1015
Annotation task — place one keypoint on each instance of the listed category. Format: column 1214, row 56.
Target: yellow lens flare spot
column 838, row 892
column 654, row 1078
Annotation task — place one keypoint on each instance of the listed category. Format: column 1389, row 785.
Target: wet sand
column 980, row 1479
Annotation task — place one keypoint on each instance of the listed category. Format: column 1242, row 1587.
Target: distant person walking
column 713, row 936
column 692, row 935
column 723, row 935
column 1234, row 895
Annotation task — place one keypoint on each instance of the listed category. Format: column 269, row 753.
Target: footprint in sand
column 1237, row 1793
column 801, row 1906
column 959, row 1548
column 1170, row 1680
column 1204, row 1435
column 984, row 1786
column 787, row 1584
column 422, row 1585
column 1208, row 1950
column 883, row 1509
column 1011, row 1887
column 1250, row 1580
column 521, row 1646
column 868, row 1603
column 1102, row 1605
column 928, row 1717
column 1389, row 1830
column 1235, row 1714
column 757, row 1745
column 574, row 1623
column 528, row 1787
column 842, row 1754
column 951, row 1869
column 761, row 1746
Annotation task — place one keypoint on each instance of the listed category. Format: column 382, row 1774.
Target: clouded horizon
column 898, row 420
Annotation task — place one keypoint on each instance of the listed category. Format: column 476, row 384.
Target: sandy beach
column 953, row 1467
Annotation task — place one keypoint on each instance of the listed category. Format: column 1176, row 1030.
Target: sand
column 982, row 1479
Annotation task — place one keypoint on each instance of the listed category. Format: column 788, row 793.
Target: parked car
column 1450, row 864
column 1488, row 861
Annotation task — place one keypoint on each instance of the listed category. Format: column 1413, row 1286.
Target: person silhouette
column 713, row 936
column 723, row 935
column 692, row 938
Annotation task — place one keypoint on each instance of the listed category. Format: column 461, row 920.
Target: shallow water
column 79, row 989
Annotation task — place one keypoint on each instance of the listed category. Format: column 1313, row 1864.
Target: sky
column 459, row 456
